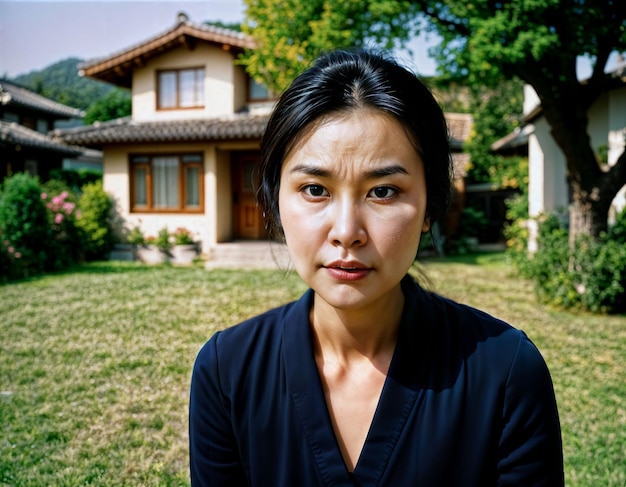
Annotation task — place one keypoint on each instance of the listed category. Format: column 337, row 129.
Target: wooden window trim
column 177, row 90
column 149, row 208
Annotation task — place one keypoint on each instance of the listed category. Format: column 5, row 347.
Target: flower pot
column 150, row 254
column 183, row 254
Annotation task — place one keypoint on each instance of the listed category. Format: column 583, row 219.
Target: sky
column 36, row 34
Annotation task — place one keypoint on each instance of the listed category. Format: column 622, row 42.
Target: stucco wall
column 219, row 92
column 547, row 185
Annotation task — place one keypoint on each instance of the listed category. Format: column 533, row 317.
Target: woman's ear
column 426, row 224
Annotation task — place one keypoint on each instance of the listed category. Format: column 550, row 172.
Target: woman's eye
column 383, row 192
column 315, row 190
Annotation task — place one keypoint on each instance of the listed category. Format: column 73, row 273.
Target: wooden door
column 248, row 222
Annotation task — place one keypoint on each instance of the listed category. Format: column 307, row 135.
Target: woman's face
column 352, row 205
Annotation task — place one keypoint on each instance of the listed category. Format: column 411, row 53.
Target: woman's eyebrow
column 373, row 174
column 311, row 170
column 385, row 171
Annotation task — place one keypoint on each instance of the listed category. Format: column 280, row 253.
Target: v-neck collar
column 397, row 398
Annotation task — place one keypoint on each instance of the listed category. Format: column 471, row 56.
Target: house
column 548, row 187
column 26, row 119
column 187, row 156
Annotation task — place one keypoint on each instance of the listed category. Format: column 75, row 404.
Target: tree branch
column 460, row 28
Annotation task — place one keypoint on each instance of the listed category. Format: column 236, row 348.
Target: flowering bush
column 47, row 227
column 65, row 241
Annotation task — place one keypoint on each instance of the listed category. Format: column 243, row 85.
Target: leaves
column 292, row 33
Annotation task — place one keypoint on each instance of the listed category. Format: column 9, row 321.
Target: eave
column 117, row 68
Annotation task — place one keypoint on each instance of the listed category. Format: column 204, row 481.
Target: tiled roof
column 127, row 131
column 13, row 95
column 459, row 127
column 233, row 127
column 12, row 134
column 117, row 68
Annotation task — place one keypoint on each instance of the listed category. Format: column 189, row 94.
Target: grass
column 95, row 366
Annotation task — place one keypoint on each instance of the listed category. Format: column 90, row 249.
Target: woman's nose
column 347, row 228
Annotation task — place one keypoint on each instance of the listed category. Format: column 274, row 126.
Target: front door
column 248, row 222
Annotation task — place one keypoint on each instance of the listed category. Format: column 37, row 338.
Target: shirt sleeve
column 213, row 454
column 530, row 449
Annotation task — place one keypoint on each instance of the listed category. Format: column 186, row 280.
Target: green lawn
column 95, row 366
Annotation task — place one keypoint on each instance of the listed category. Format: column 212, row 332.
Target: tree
column 115, row 104
column 496, row 112
column 485, row 42
column 291, row 33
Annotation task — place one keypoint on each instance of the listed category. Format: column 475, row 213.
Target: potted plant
column 185, row 249
column 150, row 249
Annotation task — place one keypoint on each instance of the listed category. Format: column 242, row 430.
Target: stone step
column 248, row 255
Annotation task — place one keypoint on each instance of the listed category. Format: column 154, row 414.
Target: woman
column 368, row 379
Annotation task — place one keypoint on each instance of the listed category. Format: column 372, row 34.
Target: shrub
column 136, row 236
column 94, row 222
column 590, row 276
column 23, row 226
column 74, row 179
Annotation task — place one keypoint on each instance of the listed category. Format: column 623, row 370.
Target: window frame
column 148, row 165
column 177, row 105
column 249, row 87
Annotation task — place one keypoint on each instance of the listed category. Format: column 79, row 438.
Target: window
column 166, row 183
column 42, row 126
column 257, row 91
column 183, row 88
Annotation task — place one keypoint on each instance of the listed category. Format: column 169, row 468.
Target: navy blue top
column 468, row 401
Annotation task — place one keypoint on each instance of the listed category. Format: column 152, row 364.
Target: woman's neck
column 366, row 333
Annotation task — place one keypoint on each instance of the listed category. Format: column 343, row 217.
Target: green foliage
column 292, row 33
column 115, row 104
column 63, row 248
column 182, row 236
column 60, row 82
column 163, row 240
column 50, row 227
column 74, row 179
column 23, row 226
column 496, row 112
column 95, row 222
column 590, row 276
column 136, row 236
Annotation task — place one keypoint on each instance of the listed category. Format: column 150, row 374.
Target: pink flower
column 18, row 255
column 58, row 218
column 57, row 200
column 11, row 250
column 44, row 196
column 64, row 195
column 68, row 207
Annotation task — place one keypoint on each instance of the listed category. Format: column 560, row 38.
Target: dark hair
column 343, row 81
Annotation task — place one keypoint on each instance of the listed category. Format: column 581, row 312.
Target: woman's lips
column 348, row 271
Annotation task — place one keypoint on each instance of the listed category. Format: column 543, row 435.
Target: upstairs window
column 257, row 92
column 180, row 88
column 167, row 183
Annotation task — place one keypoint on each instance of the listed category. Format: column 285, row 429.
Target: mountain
column 60, row 82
